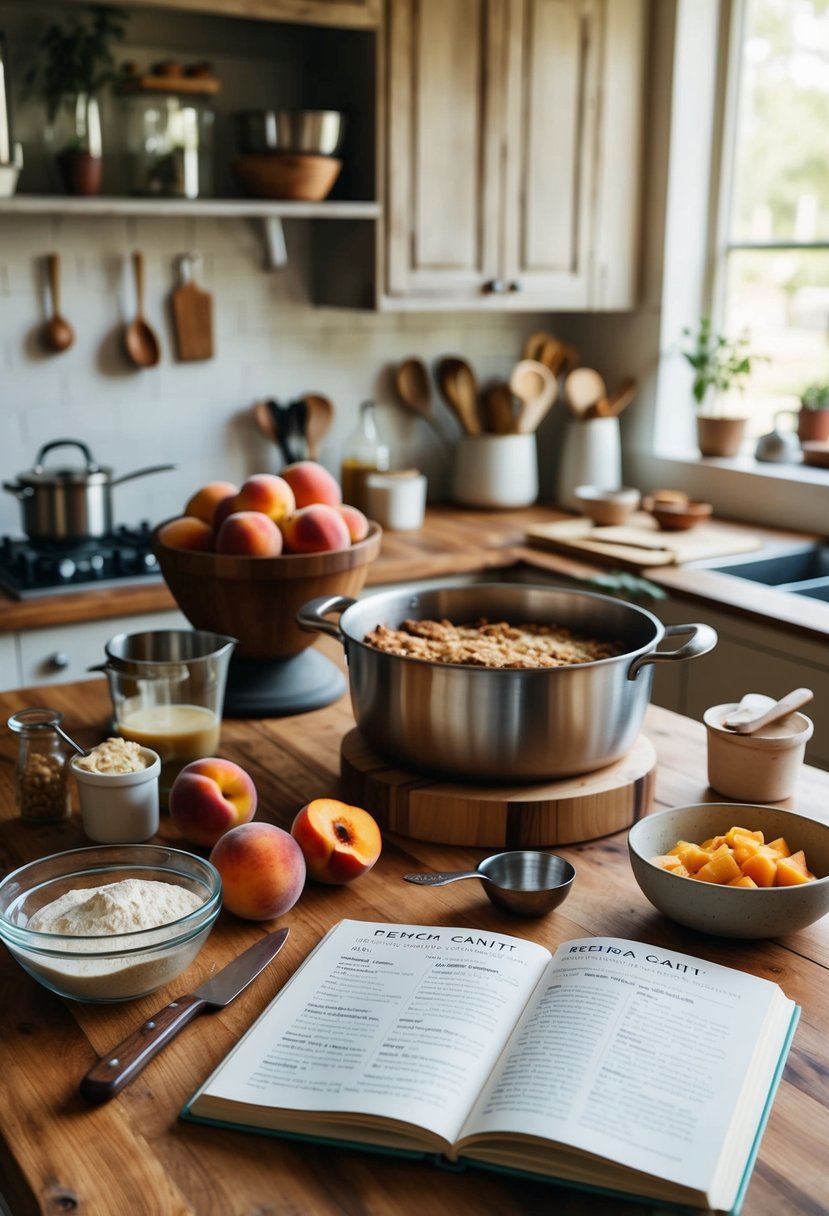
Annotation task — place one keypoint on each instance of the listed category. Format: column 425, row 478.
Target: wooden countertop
column 134, row 1156
column 457, row 541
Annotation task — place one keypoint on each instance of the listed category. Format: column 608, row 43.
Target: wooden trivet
column 509, row 817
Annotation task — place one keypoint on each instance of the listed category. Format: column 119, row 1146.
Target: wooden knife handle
column 121, row 1065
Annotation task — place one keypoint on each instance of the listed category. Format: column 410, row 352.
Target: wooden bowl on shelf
column 256, row 599
column 287, row 175
column 816, row 453
column 677, row 515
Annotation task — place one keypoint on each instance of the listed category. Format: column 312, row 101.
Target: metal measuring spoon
column 524, row 882
column 51, row 718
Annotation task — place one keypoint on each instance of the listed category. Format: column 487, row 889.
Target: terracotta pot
column 80, row 172
column 813, row 424
column 720, row 436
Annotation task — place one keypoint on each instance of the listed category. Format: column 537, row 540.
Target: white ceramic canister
column 397, row 501
column 761, row 767
column 591, row 455
column 496, row 471
column 119, row 808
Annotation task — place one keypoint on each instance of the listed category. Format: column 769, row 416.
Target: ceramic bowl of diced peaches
column 732, row 869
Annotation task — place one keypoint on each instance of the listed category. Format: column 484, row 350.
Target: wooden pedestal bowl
column 255, row 599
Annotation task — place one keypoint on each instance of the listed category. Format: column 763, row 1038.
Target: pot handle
column 154, row 468
column 91, row 462
column 20, row 492
column 703, row 638
column 311, row 615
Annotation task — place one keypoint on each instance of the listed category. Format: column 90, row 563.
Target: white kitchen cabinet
column 513, row 153
column 66, row 652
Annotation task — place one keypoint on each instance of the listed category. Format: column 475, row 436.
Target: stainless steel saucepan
column 67, row 504
column 485, row 724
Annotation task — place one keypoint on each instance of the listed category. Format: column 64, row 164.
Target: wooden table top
column 133, row 1155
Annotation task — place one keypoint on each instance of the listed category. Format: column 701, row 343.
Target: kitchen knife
column 121, row 1065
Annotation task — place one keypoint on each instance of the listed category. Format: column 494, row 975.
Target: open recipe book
column 610, row 1064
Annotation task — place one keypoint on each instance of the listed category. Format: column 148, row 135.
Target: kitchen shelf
column 37, row 204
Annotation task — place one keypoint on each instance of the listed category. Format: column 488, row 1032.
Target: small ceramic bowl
column 107, row 967
column 731, row 911
column 607, row 506
column 119, row 808
column 677, row 516
column 761, row 767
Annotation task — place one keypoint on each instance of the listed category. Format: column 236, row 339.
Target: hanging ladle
column 139, row 340
column 524, row 882
column 58, row 334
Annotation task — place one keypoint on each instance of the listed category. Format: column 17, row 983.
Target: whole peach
column 315, row 529
column 187, row 532
column 355, row 521
column 249, row 534
column 311, row 483
column 209, row 797
column 267, row 493
column 203, row 503
column 262, row 869
column 339, row 842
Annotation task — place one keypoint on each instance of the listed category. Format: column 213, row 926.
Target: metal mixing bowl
column 319, row 132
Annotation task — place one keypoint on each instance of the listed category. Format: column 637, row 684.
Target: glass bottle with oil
column 364, row 453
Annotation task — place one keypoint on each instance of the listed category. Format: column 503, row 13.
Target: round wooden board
column 508, row 817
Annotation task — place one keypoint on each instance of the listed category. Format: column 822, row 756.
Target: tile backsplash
column 270, row 341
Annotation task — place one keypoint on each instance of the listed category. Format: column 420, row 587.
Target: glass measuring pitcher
column 167, row 688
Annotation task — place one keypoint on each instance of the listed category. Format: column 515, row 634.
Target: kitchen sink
column 802, row 569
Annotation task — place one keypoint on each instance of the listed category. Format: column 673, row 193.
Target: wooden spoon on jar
column 139, row 340
column 58, row 334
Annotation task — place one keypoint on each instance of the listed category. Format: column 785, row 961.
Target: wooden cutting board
column 641, row 543
column 502, row 817
column 192, row 317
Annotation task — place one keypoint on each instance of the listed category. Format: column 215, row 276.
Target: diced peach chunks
column 668, row 861
column 762, row 867
column 743, row 881
column 744, row 847
column 713, row 843
column 738, row 831
column 692, row 856
column 721, row 868
column 789, row 875
column 779, row 847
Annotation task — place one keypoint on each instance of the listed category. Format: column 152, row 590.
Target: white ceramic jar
column 761, row 767
column 496, row 471
column 397, row 501
column 120, row 808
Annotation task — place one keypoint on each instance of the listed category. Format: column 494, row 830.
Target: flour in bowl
column 115, row 907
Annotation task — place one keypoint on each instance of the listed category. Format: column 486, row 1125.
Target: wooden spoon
column 457, row 383
column 499, row 408
column 743, row 725
column 139, row 340
column 582, row 389
column 611, row 407
column 411, row 380
column 319, row 414
column 536, row 388
column 58, row 334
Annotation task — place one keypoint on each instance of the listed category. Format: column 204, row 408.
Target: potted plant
column 813, row 419
column 74, row 65
column 721, row 365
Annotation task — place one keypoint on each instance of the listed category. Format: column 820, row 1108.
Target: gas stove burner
column 29, row 569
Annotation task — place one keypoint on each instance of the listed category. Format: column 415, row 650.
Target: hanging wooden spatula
column 192, row 315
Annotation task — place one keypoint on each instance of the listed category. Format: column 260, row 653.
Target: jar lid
column 36, row 718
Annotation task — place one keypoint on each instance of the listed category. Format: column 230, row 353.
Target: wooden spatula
column 192, row 315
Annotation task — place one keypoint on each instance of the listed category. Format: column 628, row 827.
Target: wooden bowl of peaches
column 241, row 560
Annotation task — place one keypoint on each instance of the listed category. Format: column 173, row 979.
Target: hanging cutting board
column 566, row 811
column 192, row 315
column 641, row 544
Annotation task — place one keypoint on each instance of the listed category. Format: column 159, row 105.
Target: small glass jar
column 41, row 780
column 364, row 453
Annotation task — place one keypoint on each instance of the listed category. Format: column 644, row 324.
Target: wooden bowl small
column 287, row 175
column 816, row 453
column 256, row 599
column 607, row 507
column 677, row 516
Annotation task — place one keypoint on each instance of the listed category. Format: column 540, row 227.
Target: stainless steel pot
column 69, row 504
column 485, row 724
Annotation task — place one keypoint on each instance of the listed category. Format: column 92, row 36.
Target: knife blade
column 121, row 1065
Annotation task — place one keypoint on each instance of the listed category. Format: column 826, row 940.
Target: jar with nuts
column 42, row 772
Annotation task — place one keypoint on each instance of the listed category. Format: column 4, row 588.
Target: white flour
column 115, row 907
column 107, row 911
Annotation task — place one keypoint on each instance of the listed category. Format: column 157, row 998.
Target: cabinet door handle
column 515, row 285
column 495, row 287
column 58, row 661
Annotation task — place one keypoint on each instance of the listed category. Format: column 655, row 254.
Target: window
column 773, row 272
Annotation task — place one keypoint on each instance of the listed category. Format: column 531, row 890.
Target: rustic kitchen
column 441, row 301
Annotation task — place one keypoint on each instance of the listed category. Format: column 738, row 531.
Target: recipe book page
column 398, row 1022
